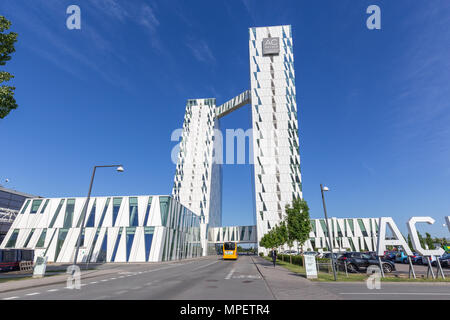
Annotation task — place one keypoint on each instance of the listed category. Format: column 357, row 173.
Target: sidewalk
column 286, row 285
column 49, row 280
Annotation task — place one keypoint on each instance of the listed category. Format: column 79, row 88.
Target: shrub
column 261, row 254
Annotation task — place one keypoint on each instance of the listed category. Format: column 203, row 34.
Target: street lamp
column 119, row 169
column 322, row 189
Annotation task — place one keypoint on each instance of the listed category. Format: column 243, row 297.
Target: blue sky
column 373, row 104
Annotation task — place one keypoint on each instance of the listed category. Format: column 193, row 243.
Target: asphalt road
column 212, row 278
column 208, row 278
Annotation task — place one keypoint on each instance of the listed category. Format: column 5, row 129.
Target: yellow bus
column 230, row 250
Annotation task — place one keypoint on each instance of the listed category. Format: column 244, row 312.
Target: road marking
column 104, row 280
column 10, row 298
column 229, row 274
column 52, row 290
column 136, row 288
column 206, row 265
column 32, row 294
column 399, row 293
column 112, row 278
column 93, row 282
column 122, row 292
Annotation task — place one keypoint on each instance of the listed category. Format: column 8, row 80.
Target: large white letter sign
column 382, row 242
column 415, row 238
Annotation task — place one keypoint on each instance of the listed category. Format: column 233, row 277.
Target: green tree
column 298, row 221
column 7, row 40
column 429, row 241
column 410, row 242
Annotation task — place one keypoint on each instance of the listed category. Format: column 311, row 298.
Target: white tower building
column 274, row 116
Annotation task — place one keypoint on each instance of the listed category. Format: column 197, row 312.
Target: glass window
column 147, row 212
column 164, row 206
column 25, row 207
column 148, row 235
column 56, row 213
column 28, row 238
column 130, row 237
column 82, row 238
column 68, row 217
column 91, row 220
column 93, row 245
column 134, row 217
column 229, row 245
column 12, row 239
column 35, row 206
column 104, row 212
column 103, row 249
column 41, row 241
column 116, row 207
column 45, row 206
column 116, row 245
column 60, row 241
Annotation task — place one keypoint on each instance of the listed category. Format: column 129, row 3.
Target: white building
column 117, row 229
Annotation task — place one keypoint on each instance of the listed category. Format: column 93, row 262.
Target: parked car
column 390, row 255
column 444, row 259
column 358, row 261
column 432, row 259
column 327, row 255
column 401, row 257
column 311, row 253
column 290, row 252
column 416, row 258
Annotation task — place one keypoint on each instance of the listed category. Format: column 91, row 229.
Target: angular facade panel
column 128, row 240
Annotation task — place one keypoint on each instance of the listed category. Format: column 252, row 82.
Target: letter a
column 374, row 21
column 74, row 20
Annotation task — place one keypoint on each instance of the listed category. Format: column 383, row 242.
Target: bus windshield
column 229, row 245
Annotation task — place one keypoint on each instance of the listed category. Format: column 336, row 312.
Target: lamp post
column 119, row 169
column 322, row 189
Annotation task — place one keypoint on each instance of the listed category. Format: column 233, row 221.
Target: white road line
column 93, row 282
column 104, row 280
column 229, row 274
column 206, row 265
column 112, row 278
column 399, row 293
column 122, row 292
column 52, row 290
column 10, row 298
column 32, row 294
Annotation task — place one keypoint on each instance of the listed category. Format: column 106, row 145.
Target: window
column 229, row 245
column 91, row 220
column 60, row 241
column 104, row 212
column 103, row 249
column 93, row 245
column 12, row 239
column 134, row 217
column 113, row 257
column 116, row 207
column 35, row 206
column 147, row 213
column 25, row 207
column 41, row 241
column 148, row 235
column 68, row 217
column 164, row 206
column 28, row 238
column 45, row 206
column 56, row 213
column 129, row 240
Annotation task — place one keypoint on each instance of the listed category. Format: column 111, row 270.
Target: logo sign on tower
column 271, row 46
